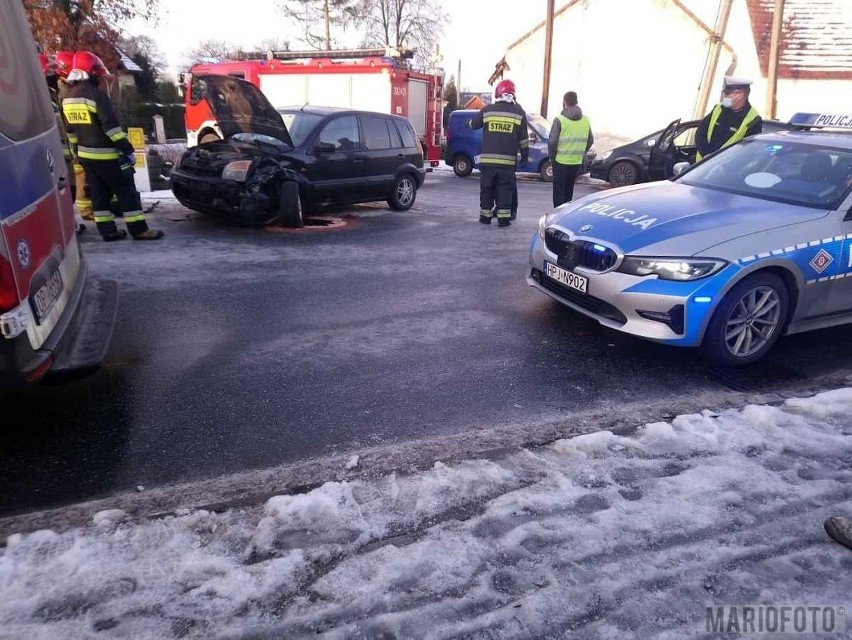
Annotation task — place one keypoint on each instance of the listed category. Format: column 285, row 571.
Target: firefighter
column 569, row 139
column 104, row 150
column 51, row 74
column 504, row 136
column 731, row 120
column 82, row 194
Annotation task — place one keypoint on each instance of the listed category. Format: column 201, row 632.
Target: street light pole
column 548, row 50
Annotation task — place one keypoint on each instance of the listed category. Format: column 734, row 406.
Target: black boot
column 118, row 234
column 485, row 219
column 148, row 234
column 504, row 222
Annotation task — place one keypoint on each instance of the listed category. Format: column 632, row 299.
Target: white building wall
column 637, row 64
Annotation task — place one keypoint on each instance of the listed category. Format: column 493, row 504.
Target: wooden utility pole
column 548, row 50
column 458, row 81
column 774, row 55
column 327, row 27
column 712, row 59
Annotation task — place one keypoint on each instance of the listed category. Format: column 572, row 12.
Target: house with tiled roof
column 638, row 64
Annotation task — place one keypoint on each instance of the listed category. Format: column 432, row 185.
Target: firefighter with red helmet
column 103, row 150
column 504, row 135
column 50, row 68
column 82, row 198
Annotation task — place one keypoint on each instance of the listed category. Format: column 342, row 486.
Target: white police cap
column 736, row 83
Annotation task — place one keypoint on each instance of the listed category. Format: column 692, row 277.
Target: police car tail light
column 8, row 290
column 671, row 268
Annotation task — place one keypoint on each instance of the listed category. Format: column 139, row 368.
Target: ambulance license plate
column 571, row 280
column 42, row 301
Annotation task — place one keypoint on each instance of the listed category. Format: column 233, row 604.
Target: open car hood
column 240, row 107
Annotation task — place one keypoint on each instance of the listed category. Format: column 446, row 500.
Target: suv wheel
column 404, row 192
column 462, row 166
column 290, row 205
column 748, row 321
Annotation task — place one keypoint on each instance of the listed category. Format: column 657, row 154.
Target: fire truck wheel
column 207, row 136
column 290, row 205
column 404, row 192
column 462, row 166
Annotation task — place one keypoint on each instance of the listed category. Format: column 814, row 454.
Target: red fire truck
column 370, row 79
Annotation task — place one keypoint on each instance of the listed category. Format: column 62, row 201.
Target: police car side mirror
column 680, row 167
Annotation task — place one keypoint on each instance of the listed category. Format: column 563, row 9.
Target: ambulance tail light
column 8, row 290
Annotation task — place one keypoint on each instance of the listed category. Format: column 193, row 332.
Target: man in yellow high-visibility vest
column 729, row 121
column 570, row 137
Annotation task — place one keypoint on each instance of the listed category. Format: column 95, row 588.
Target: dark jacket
column 504, row 134
column 91, row 117
column 572, row 113
column 727, row 124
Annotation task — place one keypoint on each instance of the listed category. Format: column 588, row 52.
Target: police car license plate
column 42, row 301
column 571, row 280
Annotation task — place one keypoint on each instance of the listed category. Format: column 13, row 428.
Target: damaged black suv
column 267, row 172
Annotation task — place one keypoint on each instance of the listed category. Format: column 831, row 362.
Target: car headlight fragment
column 237, row 170
column 671, row 268
column 604, row 155
column 545, row 220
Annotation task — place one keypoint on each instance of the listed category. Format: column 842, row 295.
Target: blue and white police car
column 751, row 243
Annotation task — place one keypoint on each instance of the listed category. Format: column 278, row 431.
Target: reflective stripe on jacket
column 90, row 113
column 573, row 139
column 737, row 135
column 504, row 133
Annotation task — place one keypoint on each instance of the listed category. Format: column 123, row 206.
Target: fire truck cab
column 369, row 79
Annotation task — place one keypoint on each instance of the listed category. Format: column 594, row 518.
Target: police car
column 751, row 243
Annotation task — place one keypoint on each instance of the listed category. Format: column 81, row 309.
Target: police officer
column 504, row 135
column 570, row 137
column 729, row 121
column 104, row 150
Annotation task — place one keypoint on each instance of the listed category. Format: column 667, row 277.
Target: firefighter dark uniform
column 80, row 190
column 504, row 135
column 103, row 150
column 728, row 122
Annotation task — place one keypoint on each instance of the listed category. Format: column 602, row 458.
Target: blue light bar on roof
column 830, row 120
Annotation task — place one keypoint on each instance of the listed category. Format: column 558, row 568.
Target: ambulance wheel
column 404, row 192
column 623, row 173
column 462, row 166
column 748, row 321
column 546, row 171
column 290, row 205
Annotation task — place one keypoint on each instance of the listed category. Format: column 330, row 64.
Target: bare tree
column 212, row 50
column 412, row 24
column 319, row 20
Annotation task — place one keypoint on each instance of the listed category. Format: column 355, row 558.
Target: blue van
column 464, row 144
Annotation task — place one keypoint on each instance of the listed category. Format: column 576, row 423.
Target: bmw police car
column 752, row 242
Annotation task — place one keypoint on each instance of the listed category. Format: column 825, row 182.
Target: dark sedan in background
column 635, row 162
column 274, row 164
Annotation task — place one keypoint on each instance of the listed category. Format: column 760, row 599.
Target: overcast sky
column 478, row 31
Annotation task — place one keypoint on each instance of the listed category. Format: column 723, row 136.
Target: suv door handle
column 358, row 160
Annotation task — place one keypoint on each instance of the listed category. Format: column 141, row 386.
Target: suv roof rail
column 822, row 120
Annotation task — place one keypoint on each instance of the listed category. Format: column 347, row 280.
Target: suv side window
column 409, row 140
column 396, row 141
column 24, row 113
column 376, row 134
column 342, row 133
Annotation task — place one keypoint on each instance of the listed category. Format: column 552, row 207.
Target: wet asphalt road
column 240, row 349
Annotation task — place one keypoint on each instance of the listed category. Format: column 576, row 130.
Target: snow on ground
column 597, row 536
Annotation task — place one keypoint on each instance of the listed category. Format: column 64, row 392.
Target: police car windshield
column 803, row 174
column 538, row 124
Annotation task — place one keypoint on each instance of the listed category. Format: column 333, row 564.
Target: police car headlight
column 237, row 170
column 671, row 268
column 545, row 220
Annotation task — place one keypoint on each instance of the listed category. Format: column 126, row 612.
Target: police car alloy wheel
column 748, row 321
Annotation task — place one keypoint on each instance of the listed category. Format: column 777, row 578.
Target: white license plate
column 572, row 280
column 47, row 295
